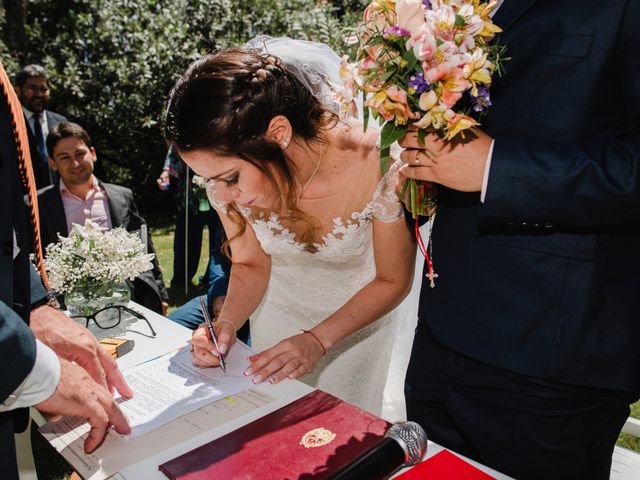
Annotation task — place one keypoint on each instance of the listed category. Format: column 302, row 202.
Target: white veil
column 314, row 64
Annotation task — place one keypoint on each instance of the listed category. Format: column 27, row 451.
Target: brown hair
column 224, row 103
column 66, row 130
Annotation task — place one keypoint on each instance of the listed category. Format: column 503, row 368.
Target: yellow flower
column 478, row 70
column 457, row 123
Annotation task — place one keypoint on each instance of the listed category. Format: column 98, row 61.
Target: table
column 179, row 436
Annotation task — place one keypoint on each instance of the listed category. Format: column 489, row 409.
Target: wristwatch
column 49, row 299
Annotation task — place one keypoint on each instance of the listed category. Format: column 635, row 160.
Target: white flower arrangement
column 91, row 256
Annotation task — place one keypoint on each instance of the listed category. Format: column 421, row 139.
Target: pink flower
column 453, row 86
column 443, row 20
column 451, row 82
column 377, row 17
column 424, row 44
column 410, row 15
column 392, row 104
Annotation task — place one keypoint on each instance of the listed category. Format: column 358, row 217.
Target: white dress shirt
column 487, row 166
column 39, row 384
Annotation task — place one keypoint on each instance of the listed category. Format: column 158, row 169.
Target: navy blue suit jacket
column 544, row 277
column 43, row 173
column 19, row 287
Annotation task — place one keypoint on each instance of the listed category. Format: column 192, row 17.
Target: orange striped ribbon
column 26, row 168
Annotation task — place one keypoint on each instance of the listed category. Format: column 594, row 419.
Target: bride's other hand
column 290, row 358
column 204, row 353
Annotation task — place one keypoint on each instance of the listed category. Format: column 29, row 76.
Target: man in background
column 78, row 196
column 32, row 88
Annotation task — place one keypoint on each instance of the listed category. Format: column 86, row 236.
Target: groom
column 527, row 351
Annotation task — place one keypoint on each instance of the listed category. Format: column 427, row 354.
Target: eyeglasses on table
column 111, row 316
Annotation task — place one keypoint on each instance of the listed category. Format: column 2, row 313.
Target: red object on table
column 444, row 466
column 310, row 438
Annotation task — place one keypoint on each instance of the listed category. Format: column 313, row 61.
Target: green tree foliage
column 113, row 62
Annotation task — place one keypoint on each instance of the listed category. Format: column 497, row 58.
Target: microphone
column 404, row 444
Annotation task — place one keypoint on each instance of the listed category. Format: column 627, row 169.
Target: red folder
column 444, row 466
column 310, row 438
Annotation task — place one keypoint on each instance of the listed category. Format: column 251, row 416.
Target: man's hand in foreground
column 78, row 395
column 77, row 344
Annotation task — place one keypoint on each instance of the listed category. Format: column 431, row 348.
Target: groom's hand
column 457, row 164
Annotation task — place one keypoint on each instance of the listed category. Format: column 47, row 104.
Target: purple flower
column 418, row 83
column 395, row 32
column 427, row 4
column 483, row 100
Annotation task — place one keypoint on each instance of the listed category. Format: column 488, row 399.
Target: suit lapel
column 58, row 216
column 116, row 205
column 510, row 11
column 51, row 120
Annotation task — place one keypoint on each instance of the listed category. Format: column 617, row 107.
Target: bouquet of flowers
column 422, row 63
column 91, row 257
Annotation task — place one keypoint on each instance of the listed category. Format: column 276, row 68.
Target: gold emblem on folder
column 317, row 437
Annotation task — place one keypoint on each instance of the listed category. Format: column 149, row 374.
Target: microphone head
column 412, row 438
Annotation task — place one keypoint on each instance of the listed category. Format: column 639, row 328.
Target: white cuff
column 39, row 384
column 487, row 167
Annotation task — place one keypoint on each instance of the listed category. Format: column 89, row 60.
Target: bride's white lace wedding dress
column 305, row 288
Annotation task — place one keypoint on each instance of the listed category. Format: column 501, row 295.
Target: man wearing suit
column 32, row 88
column 78, row 195
column 527, row 353
column 36, row 361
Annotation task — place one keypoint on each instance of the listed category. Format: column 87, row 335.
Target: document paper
column 170, row 386
column 118, row 452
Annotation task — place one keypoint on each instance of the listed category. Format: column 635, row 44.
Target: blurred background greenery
column 112, row 63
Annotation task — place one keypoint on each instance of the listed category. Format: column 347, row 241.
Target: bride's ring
column 416, row 160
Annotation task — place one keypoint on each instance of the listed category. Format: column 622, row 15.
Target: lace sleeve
column 387, row 206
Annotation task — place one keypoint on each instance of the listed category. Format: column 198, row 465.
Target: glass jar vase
column 87, row 299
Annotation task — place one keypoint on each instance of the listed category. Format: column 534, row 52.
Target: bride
column 322, row 255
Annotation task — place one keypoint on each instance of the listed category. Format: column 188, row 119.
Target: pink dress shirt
column 94, row 207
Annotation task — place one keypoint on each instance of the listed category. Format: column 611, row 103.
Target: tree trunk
column 14, row 32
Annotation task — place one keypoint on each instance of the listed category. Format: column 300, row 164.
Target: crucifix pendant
column 432, row 277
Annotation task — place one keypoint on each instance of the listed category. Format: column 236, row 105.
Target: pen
column 205, row 311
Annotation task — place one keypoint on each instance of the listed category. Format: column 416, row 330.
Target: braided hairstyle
column 224, row 102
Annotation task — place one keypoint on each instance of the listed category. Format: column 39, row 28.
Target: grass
column 51, row 466
column 626, row 440
column 163, row 243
